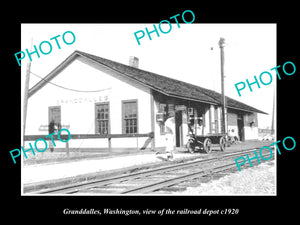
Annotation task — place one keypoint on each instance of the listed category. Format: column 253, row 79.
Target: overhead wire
column 69, row 89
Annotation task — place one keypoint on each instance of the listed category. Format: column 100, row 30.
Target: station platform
column 60, row 173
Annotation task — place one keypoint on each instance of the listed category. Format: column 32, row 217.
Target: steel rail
column 69, row 189
column 172, row 181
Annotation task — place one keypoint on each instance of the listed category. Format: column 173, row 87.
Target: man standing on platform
column 169, row 135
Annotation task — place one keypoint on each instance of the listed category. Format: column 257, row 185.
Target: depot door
column 178, row 129
column 240, row 123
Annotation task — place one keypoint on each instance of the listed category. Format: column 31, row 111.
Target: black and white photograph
column 144, row 118
column 128, row 112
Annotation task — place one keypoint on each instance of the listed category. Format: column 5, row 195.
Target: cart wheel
column 222, row 143
column 191, row 147
column 207, row 145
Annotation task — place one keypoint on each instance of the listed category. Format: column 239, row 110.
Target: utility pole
column 273, row 112
column 26, row 95
column 222, row 45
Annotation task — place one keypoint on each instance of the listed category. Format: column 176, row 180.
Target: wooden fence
column 93, row 136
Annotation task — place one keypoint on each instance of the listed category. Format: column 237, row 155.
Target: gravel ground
column 259, row 180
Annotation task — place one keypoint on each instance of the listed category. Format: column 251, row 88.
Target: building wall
column 78, row 108
column 232, row 124
column 207, row 124
column 199, row 110
column 250, row 124
column 160, row 141
column 214, row 124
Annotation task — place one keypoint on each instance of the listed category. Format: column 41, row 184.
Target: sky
column 189, row 53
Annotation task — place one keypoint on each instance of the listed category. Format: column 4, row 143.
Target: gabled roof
column 162, row 84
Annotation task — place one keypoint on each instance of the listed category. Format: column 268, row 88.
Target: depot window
column 129, row 117
column 102, row 118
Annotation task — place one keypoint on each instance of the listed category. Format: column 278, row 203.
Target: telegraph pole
column 27, row 79
column 222, row 45
column 273, row 112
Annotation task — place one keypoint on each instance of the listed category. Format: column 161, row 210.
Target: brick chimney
column 134, row 61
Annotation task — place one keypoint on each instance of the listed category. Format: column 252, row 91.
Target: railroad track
column 153, row 180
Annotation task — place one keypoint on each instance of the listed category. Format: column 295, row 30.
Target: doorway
column 178, row 129
column 240, row 124
column 54, row 118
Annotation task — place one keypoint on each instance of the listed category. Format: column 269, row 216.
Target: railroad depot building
column 106, row 104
